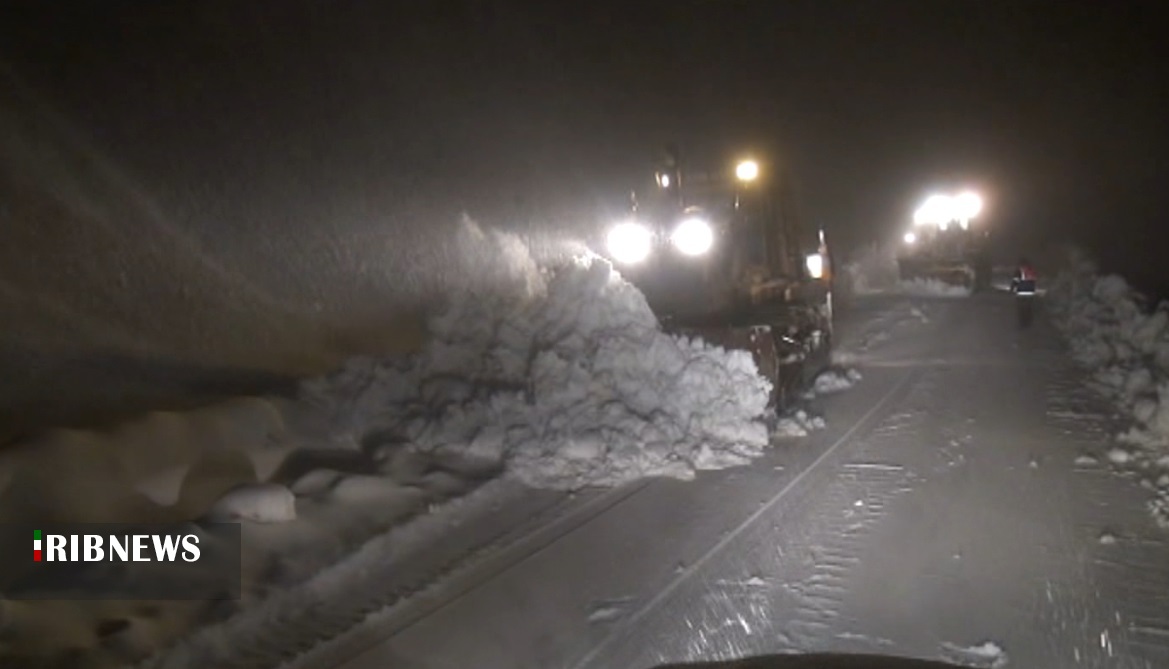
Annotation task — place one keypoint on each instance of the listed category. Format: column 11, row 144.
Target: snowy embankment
column 1124, row 342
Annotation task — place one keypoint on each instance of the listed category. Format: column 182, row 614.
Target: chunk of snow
column 1107, row 538
column 987, row 654
column 1086, row 460
column 797, row 424
column 1159, row 507
column 259, row 502
column 1140, row 437
column 605, row 614
column 787, row 428
column 1119, row 456
column 833, row 381
column 609, row 610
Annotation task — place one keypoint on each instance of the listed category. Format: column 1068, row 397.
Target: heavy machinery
column 720, row 254
column 946, row 243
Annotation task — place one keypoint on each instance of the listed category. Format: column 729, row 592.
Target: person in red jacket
column 1023, row 283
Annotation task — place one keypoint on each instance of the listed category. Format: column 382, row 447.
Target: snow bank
column 1112, row 330
column 562, row 378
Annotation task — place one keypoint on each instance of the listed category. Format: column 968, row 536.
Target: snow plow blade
column 781, row 360
column 954, row 275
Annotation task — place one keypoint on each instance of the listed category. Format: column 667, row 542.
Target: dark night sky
column 262, row 117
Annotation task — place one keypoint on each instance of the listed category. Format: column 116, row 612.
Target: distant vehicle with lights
column 948, row 242
column 719, row 252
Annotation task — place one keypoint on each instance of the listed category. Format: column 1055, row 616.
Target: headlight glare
column 629, row 242
column 815, row 263
column 693, row 236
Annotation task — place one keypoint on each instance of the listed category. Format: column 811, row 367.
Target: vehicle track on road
column 828, row 458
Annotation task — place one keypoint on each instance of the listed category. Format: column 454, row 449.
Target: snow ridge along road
column 949, row 510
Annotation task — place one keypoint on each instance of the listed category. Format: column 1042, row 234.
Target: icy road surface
column 960, row 505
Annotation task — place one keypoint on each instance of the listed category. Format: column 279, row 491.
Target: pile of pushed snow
column 835, row 380
column 798, row 424
column 563, row 380
column 1112, row 331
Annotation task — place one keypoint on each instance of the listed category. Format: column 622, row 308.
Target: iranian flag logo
column 36, row 546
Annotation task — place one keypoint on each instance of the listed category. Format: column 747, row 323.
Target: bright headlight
column 910, row 238
column 937, row 210
column 693, row 236
column 815, row 263
column 968, row 205
column 748, row 170
column 629, row 242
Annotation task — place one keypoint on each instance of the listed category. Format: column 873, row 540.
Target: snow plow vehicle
column 946, row 245
column 721, row 255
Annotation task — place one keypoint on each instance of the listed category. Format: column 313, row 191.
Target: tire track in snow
column 863, row 490
column 790, row 576
column 619, row 632
column 863, row 493
column 1122, row 618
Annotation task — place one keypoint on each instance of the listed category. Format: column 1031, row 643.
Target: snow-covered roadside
column 1124, row 341
column 553, row 378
